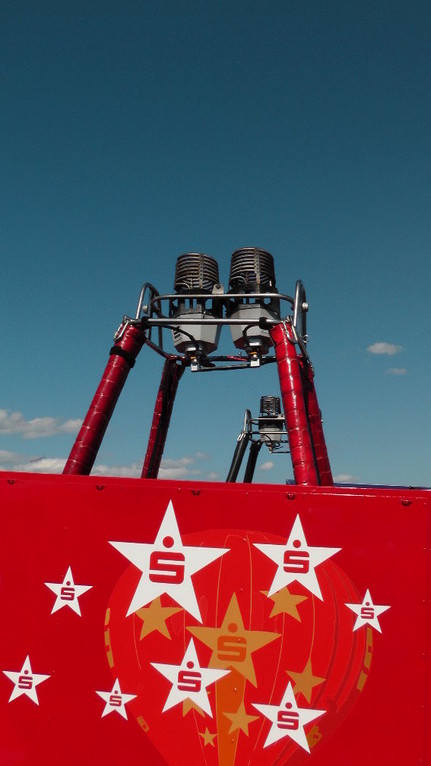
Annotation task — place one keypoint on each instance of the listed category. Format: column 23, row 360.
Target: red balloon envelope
column 253, row 659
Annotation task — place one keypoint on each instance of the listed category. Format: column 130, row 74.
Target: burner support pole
column 297, row 424
column 130, row 339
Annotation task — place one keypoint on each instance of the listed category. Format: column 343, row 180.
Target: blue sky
column 132, row 132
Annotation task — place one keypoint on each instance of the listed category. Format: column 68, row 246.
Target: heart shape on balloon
column 232, row 657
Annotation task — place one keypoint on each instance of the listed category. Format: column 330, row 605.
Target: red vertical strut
column 315, row 423
column 295, row 413
column 121, row 360
column 171, row 375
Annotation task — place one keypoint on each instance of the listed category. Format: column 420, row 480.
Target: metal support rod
column 121, row 360
column 238, row 455
column 171, row 375
column 297, row 426
column 251, row 462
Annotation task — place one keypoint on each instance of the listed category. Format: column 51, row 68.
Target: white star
column 67, row 593
column 288, row 720
column 367, row 613
column 167, row 566
column 189, row 680
column 116, row 700
column 25, row 681
column 296, row 561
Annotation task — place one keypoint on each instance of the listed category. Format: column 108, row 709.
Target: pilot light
column 252, row 287
column 196, row 285
column 269, row 429
column 271, row 422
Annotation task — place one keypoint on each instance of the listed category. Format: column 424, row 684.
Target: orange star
column 154, row 617
column 232, row 645
column 240, row 719
column 188, row 705
column 285, row 602
column 305, row 681
column 207, row 737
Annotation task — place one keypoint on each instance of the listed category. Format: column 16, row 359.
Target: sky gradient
column 132, row 132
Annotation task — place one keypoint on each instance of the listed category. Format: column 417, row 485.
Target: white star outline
column 167, row 566
column 67, row 593
column 296, row 561
column 367, row 612
column 189, row 680
column 25, row 681
column 116, row 700
column 295, row 718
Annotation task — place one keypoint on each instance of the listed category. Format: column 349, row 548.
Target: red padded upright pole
column 171, row 375
column 122, row 358
column 316, row 428
column 295, row 413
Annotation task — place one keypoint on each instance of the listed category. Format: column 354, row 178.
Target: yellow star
column 154, row 617
column 207, row 737
column 285, row 602
column 232, row 645
column 305, row 681
column 240, row 719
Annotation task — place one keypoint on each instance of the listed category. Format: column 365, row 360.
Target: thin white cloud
column 45, row 465
column 181, row 468
column 131, row 471
column 15, row 423
column 171, row 468
column 396, row 371
column 177, row 473
column 31, row 465
column 387, row 349
column 212, row 476
column 346, row 478
column 268, row 466
column 70, row 426
column 181, row 462
column 9, row 457
column 10, row 460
